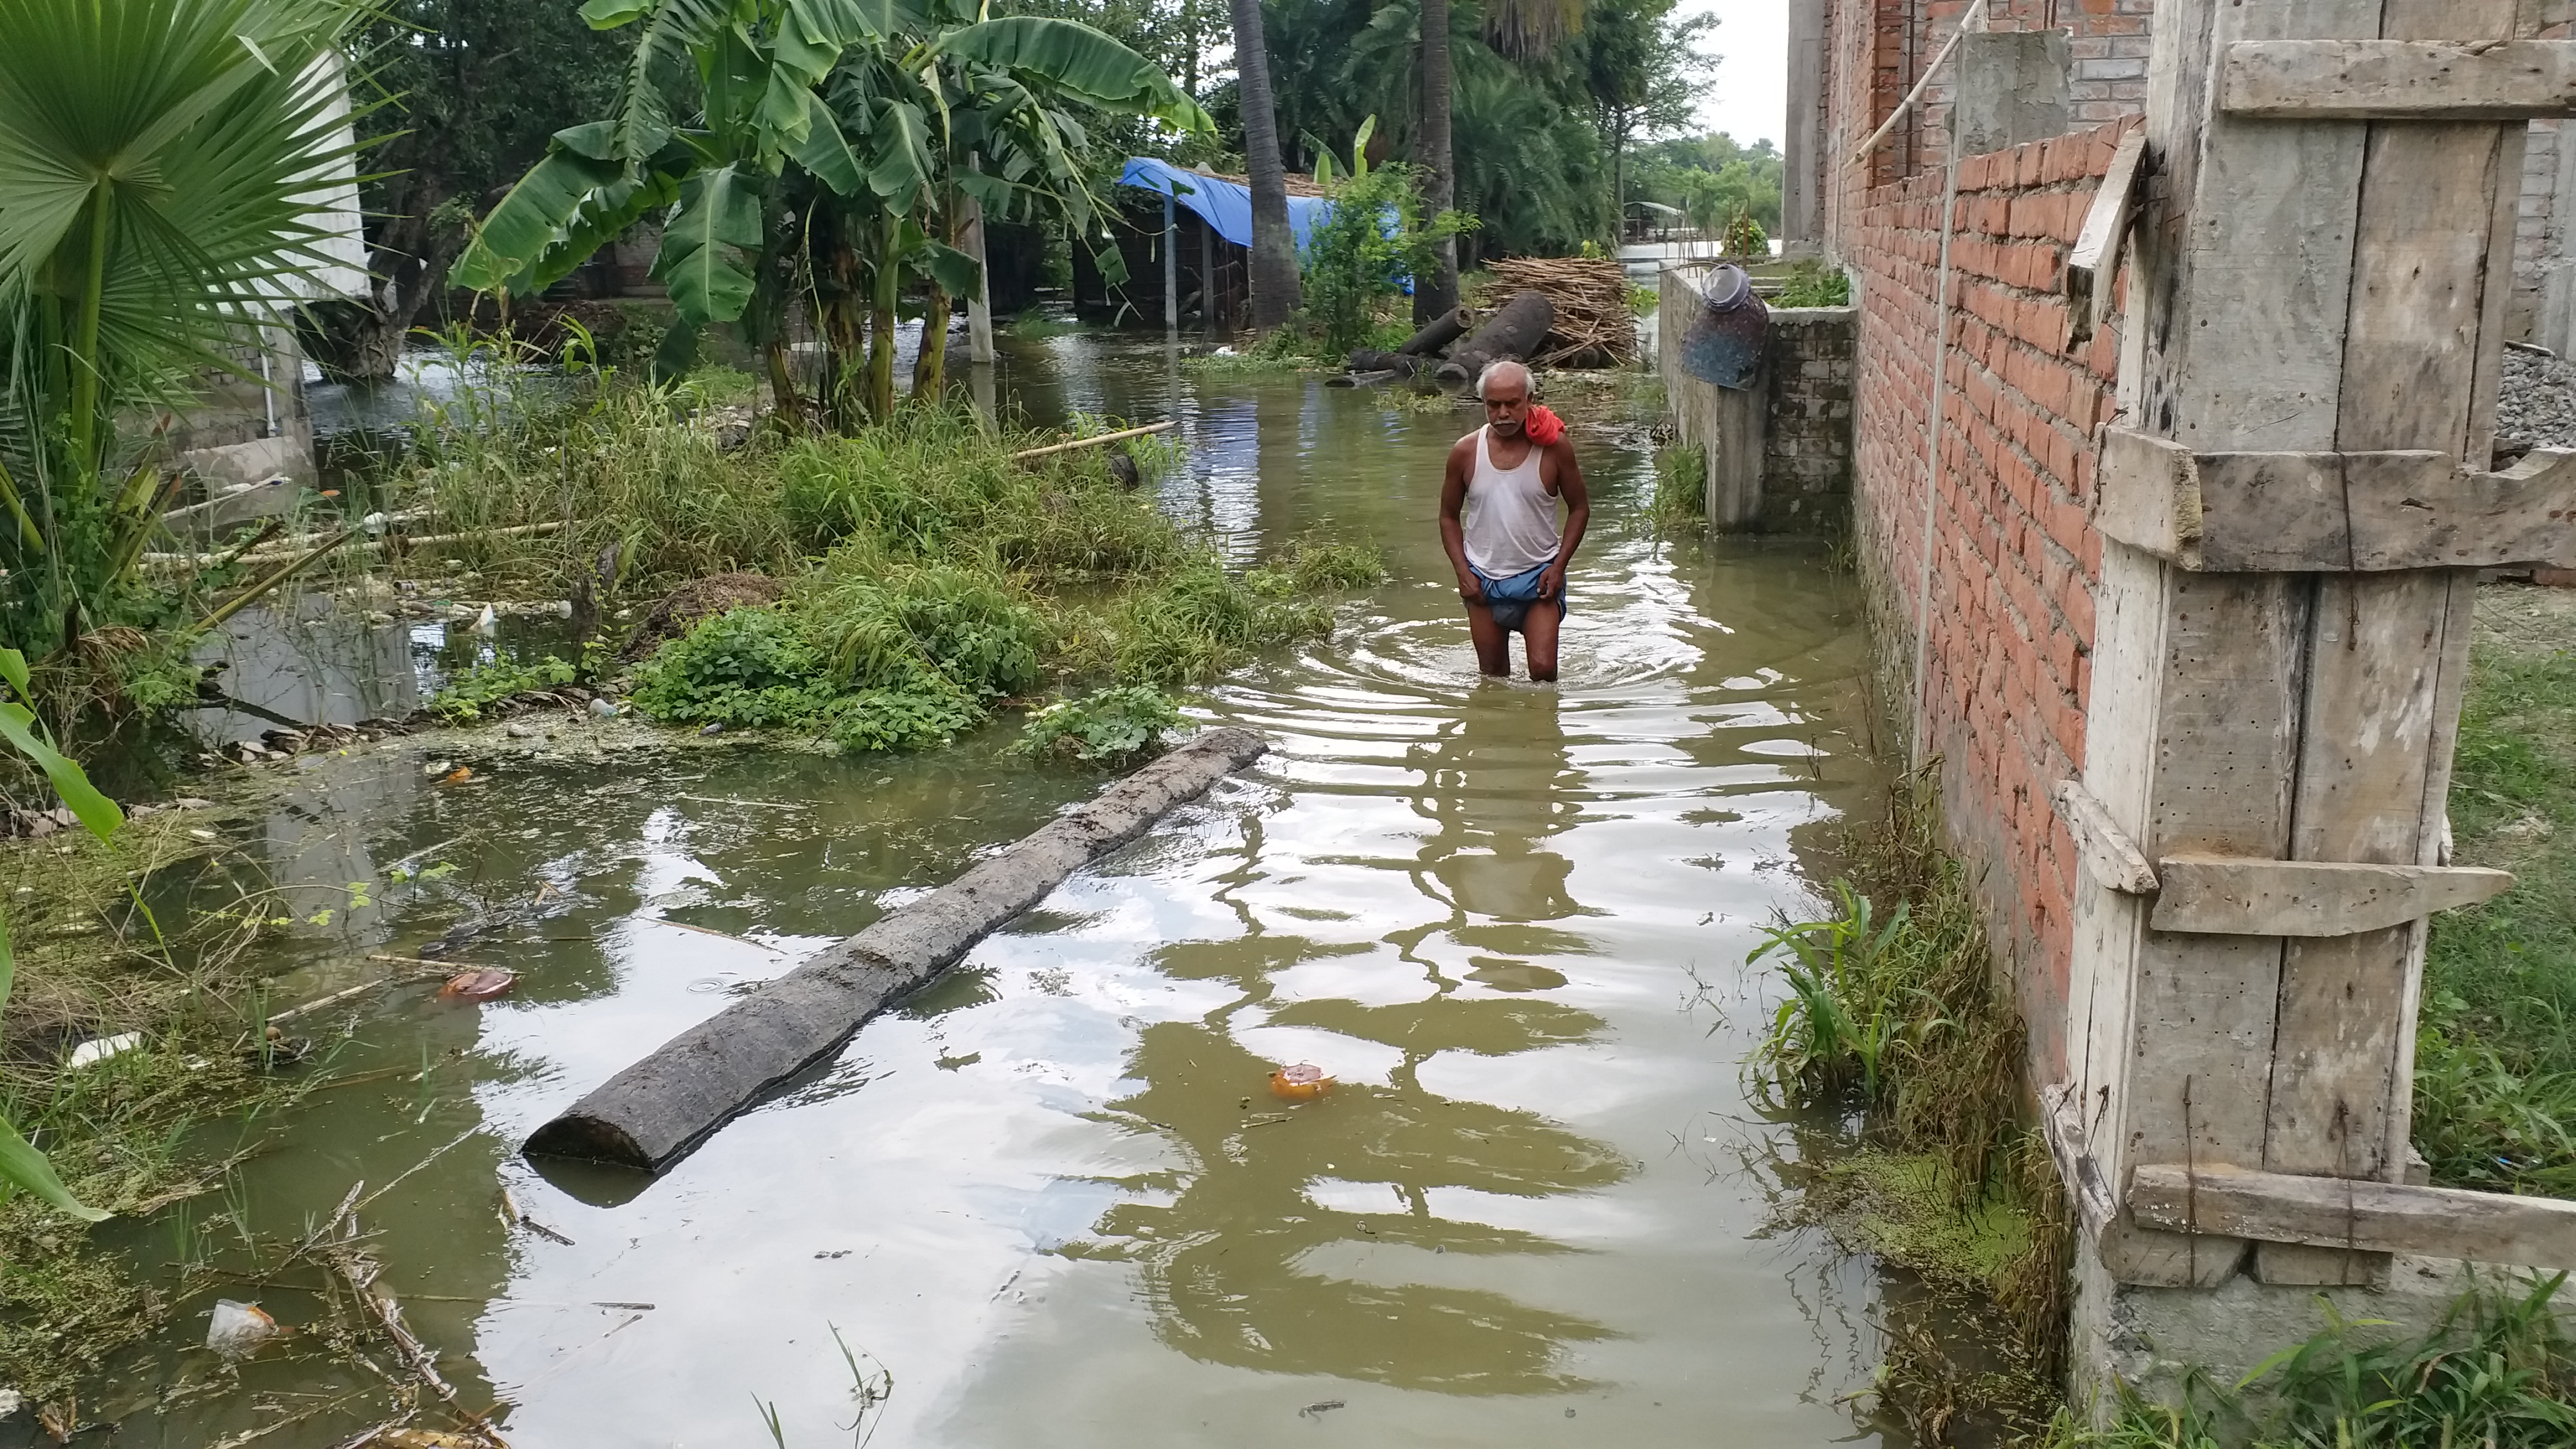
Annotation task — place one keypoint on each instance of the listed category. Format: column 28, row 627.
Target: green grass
column 1680, row 503
column 1810, row 283
column 2495, row 1085
column 2498, row 1372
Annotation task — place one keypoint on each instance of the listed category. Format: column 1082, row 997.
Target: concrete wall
column 1779, row 454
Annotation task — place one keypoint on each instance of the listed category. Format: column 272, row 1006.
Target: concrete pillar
column 2011, row 88
column 1802, row 169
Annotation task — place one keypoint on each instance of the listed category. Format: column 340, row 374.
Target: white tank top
column 1510, row 517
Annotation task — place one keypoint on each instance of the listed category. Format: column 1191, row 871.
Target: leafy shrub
column 1358, row 255
column 748, row 668
column 1811, row 283
column 1105, row 725
column 488, row 683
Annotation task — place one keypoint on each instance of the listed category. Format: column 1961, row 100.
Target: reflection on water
column 1052, row 1193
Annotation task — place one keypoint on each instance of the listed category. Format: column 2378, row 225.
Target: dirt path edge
column 654, row 1112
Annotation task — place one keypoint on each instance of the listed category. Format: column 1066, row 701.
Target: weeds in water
column 871, row 1385
column 1681, row 488
column 1104, row 727
column 1894, row 1012
column 504, row 677
column 2497, row 1372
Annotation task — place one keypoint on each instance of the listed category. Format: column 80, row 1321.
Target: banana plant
column 22, row 1167
column 823, row 157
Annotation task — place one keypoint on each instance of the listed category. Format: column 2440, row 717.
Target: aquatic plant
column 1104, row 726
column 1893, row 1008
column 22, row 1167
column 501, row 677
column 1680, row 503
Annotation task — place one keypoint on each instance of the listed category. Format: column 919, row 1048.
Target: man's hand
column 1471, row 588
column 1551, row 580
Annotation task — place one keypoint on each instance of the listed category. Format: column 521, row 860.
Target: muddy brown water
column 1051, row 1196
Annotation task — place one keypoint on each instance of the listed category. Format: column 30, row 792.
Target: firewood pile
column 1593, row 327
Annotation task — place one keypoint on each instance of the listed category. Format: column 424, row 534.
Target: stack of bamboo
column 1594, row 327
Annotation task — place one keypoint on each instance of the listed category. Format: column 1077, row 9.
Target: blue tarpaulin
column 1222, row 204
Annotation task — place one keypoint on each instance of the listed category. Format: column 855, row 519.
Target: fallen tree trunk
column 653, row 1112
column 1365, row 360
column 1515, row 331
column 1437, row 333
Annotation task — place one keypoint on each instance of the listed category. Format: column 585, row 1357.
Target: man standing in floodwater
column 1506, row 478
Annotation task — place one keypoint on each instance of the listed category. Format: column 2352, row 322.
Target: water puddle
column 1053, row 1196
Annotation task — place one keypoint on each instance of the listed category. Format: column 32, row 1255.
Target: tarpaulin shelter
column 1226, row 206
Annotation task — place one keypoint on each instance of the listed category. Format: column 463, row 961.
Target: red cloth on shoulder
column 1543, row 427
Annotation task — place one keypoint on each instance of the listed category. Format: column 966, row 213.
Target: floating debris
column 482, row 985
column 236, row 1330
column 1303, row 1082
column 98, row 1049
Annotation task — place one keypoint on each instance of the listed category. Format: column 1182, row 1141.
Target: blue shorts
column 1510, row 598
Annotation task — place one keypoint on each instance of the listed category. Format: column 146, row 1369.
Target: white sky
column 1751, row 98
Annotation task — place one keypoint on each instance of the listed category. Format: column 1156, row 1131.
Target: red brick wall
column 1876, row 50
column 2015, row 559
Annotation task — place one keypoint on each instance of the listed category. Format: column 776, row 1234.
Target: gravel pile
column 2537, row 403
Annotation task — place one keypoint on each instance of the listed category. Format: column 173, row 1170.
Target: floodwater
column 1051, row 1197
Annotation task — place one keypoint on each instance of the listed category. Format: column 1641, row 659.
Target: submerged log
column 1365, row 360
column 652, row 1113
column 1437, row 333
column 1514, row 331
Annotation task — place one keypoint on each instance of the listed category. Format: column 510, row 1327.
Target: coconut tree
column 1435, row 295
column 1517, row 29
column 1274, row 245
column 165, row 172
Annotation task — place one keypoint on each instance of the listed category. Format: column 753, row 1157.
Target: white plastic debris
column 238, row 1329
column 603, row 709
column 99, row 1049
column 487, row 622
column 11, row 1401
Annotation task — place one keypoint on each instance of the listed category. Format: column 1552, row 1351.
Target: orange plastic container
column 1303, row 1082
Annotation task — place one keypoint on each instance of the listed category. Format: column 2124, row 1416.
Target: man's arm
column 1453, row 535
column 1578, row 516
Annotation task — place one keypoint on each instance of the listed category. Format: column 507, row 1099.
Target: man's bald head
column 1513, row 375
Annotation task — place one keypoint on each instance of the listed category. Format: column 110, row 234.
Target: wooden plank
column 2147, row 495
column 2384, row 1217
column 2094, row 263
column 2233, row 342
column 2230, row 896
column 2109, row 853
column 2062, row 1123
column 2421, row 293
column 2398, row 80
column 2201, row 1015
column 2275, row 512
column 2525, row 514
column 2372, row 510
